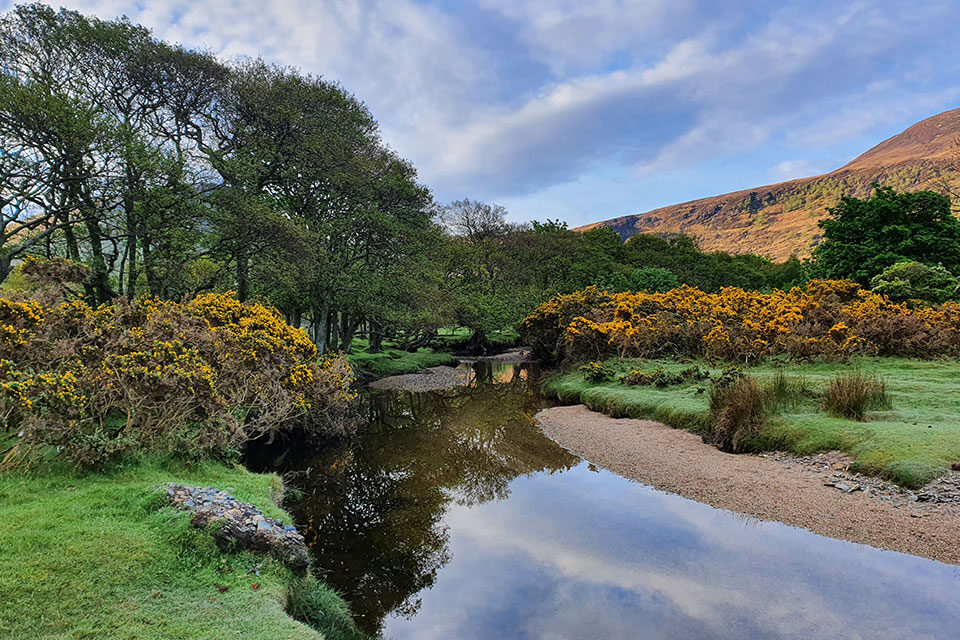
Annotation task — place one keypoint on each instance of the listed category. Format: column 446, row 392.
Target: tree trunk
column 334, row 332
column 243, row 277
column 319, row 327
column 5, row 267
column 478, row 344
column 376, row 338
column 99, row 277
column 348, row 329
column 148, row 267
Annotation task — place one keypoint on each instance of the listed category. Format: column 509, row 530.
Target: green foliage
column 864, row 237
column 905, row 281
column 653, row 279
column 110, row 561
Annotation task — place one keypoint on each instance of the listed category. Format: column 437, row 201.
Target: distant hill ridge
column 781, row 219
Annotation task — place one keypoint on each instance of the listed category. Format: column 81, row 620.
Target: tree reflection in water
column 372, row 511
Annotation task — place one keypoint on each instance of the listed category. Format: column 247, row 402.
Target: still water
column 454, row 517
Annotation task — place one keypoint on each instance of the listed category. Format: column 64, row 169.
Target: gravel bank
column 772, row 487
column 432, row 379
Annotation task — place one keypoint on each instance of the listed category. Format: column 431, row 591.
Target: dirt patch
column 772, row 487
column 432, row 379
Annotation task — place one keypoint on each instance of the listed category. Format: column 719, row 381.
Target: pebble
column 941, row 494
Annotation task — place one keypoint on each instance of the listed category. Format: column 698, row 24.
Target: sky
column 585, row 111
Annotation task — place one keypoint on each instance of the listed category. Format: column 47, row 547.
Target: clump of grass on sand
column 738, row 412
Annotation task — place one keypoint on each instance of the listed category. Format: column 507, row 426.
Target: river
column 453, row 516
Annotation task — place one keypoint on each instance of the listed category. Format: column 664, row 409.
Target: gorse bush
column 829, row 319
column 194, row 378
column 596, row 371
column 851, row 396
column 661, row 378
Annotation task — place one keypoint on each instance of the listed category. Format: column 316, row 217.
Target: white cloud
column 496, row 99
column 790, row 169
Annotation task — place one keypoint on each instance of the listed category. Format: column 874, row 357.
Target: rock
column 239, row 523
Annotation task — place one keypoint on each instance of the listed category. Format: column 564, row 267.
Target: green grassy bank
column 912, row 443
column 99, row 555
column 391, row 361
column 394, row 362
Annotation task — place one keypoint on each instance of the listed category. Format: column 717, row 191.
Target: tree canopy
column 864, row 237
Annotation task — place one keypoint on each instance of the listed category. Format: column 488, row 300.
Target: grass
column 99, row 555
column 393, row 362
column 911, row 443
column 852, row 396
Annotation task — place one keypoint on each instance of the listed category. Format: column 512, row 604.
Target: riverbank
column 444, row 377
column 678, row 461
column 393, row 362
column 912, row 441
column 102, row 555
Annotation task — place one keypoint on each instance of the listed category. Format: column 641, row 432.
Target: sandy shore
column 679, row 462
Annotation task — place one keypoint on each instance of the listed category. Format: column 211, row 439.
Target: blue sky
column 589, row 110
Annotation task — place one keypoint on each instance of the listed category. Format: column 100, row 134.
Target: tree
column 653, row 279
column 916, row 281
column 864, row 237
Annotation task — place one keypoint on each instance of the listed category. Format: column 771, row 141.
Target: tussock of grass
column 320, row 607
column 911, row 445
column 98, row 555
column 851, row 396
column 738, row 412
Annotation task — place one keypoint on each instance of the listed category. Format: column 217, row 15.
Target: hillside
column 781, row 219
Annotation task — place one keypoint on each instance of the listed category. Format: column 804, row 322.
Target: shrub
column 737, row 413
column 195, row 379
column 635, row 377
column 661, row 378
column 596, row 371
column 728, row 376
column 851, row 396
column 827, row 319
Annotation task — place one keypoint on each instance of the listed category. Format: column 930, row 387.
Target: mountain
column 781, row 219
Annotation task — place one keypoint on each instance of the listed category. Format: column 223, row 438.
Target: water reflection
column 373, row 512
column 454, row 517
column 590, row 555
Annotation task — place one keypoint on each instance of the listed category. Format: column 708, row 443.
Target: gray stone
column 239, row 523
